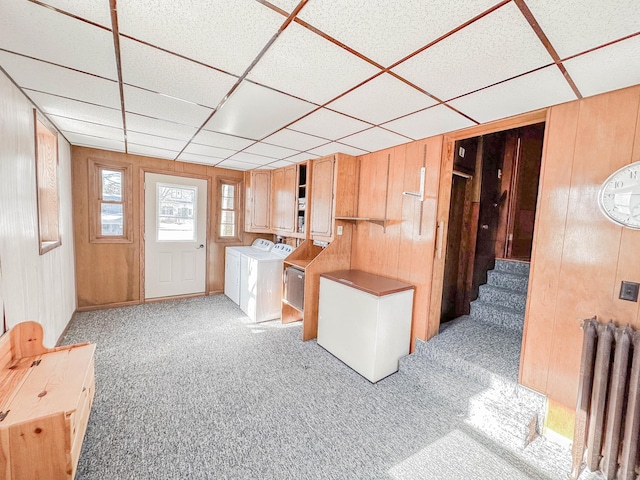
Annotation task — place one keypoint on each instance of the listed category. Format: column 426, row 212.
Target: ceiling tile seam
column 179, row 55
column 116, row 45
column 101, row 137
column 500, row 82
column 273, row 89
column 166, row 95
column 448, row 34
column 70, row 98
column 255, row 61
column 435, row 98
column 63, row 12
column 593, row 49
column 535, row 26
column 84, row 121
column 32, row 102
column 57, row 65
column 338, row 43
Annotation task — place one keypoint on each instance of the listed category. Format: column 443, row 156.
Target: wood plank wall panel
column 596, row 254
column 109, row 274
column 551, row 218
column 408, row 246
column 35, row 287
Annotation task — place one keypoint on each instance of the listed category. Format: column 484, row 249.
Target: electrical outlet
column 461, row 152
column 629, row 291
column 339, row 229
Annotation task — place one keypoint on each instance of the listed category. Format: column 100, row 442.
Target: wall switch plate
column 629, row 291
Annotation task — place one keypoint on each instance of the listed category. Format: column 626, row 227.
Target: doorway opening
column 494, row 193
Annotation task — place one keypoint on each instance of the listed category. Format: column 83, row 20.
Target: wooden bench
column 45, row 399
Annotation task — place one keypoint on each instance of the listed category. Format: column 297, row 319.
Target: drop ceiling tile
column 496, row 47
column 251, row 158
column 536, row 90
column 387, row 31
column 204, row 159
column 573, row 26
column 209, row 151
column 151, row 151
column 87, row 128
column 155, row 141
column 330, row 125
column 42, row 33
column 295, row 140
column 382, row 99
column 94, row 142
column 308, row 66
column 335, row 147
column 280, row 163
column 374, row 139
column 162, row 107
column 172, row 75
column 301, row 157
column 236, row 165
column 162, row 128
column 220, row 140
column 87, row 112
column 609, row 68
column 270, row 150
column 253, row 111
column 47, row 78
column 226, row 34
column 429, row 122
column 93, row 10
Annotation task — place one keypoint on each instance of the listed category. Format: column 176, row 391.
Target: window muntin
column 228, row 211
column 110, row 197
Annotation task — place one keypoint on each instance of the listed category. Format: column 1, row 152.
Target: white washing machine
column 232, row 266
column 261, row 282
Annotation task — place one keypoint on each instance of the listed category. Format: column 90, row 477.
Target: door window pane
column 111, row 185
column 111, row 219
column 176, row 213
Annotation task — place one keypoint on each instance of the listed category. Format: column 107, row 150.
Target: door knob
column 201, row 246
column 485, row 227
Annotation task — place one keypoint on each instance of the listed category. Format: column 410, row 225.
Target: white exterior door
column 175, row 235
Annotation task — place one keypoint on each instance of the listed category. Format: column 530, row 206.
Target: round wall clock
column 619, row 196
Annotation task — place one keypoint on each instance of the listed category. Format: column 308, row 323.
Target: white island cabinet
column 365, row 321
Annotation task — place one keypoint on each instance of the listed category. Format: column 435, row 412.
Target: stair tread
column 498, row 307
column 487, row 286
column 493, row 348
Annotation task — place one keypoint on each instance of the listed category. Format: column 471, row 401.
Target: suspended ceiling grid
column 246, row 84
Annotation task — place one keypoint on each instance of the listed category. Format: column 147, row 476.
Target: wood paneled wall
column 405, row 249
column 108, row 274
column 579, row 257
column 35, row 287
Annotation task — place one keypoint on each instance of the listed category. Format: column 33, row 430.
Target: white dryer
column 261, row 282
column 232, row 266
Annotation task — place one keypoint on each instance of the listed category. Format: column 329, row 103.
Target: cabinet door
column 284, row 199
column 260, row 200
column 322, row 185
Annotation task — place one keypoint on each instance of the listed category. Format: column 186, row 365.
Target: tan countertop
column 368, row 282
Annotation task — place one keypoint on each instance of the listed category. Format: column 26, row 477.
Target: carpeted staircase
column 480, row 353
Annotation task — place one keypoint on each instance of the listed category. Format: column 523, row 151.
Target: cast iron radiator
column 608, row 409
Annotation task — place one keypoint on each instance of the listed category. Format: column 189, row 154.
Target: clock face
column 619, row 196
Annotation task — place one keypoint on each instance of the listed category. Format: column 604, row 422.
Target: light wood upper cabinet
column 284, row 199
column 333, row 193
column 259, row 201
